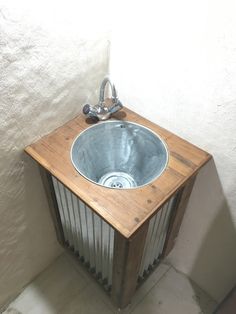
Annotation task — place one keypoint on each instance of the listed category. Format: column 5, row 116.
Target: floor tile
column 88, row 302
column 176, row 294
column 66, row 288
column 51, row 290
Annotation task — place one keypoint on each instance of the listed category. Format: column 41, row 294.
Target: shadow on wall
column 214, row 267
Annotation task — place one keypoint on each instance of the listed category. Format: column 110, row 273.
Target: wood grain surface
column 124, row 210
column 126, row 263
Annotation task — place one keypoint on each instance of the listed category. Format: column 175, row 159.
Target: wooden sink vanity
column 120, row 236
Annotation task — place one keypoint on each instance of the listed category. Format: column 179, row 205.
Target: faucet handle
column 86, row 109
column 116, row 106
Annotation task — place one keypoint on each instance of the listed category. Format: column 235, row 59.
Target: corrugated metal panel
column 92, row 239
column 86, row 234
column 156, row 236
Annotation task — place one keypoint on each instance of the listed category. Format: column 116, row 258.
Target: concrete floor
column 66, row 288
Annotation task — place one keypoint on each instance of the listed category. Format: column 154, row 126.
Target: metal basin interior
column 118, row 154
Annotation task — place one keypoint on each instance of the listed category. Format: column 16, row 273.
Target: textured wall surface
column 49, row 66
column 175, row 63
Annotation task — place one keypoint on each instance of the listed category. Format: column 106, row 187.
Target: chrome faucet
column 101, row 111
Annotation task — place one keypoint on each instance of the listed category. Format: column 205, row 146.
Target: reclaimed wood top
column 124, row 210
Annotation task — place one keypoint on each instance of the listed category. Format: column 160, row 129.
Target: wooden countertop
column 124, row 210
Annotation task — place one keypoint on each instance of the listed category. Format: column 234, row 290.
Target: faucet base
column 101, row 111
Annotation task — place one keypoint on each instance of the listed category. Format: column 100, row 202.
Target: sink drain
column 117, row 185
column 117, row 180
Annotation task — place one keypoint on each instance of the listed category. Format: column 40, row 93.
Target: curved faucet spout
column 102, row 90
column 101, row 111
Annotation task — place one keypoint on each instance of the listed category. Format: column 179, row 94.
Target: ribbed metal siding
column 86, row 234
column 156, row 237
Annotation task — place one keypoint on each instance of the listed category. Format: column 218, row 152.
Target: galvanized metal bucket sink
column 119, row 154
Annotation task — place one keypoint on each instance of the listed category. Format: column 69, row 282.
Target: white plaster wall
column 51, row 63
column 175, row 63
